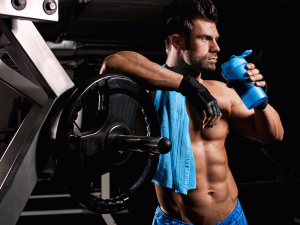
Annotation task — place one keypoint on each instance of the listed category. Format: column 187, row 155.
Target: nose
column 214, row 46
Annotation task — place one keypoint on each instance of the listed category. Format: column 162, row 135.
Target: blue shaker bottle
column 234, row 71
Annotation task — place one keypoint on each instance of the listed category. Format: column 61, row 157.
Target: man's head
column 191, row 32
column 182, row 13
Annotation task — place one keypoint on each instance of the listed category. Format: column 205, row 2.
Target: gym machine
column 123, row 138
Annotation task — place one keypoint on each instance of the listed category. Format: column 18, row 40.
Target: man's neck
column 176, row 63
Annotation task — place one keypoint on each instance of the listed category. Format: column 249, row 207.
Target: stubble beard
column 202, row 65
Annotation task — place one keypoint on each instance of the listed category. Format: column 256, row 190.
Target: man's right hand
column 202, row 101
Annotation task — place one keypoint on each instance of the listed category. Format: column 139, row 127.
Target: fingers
column 211, row 115
column 250, row 66
column 209, row 122
column 255, row 75
column 261, row 83
column 204, row 118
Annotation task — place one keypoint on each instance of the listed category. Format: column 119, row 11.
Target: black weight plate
column 105, row 104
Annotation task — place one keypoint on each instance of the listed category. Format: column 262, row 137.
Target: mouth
column 212, row 59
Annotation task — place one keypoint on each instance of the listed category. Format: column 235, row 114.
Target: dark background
column 267, row 175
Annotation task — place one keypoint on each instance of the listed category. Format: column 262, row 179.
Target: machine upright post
column 42, row 82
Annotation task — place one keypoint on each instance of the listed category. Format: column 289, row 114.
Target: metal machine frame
column 43, row 81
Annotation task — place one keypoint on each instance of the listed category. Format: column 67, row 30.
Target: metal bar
column 55, row 212
column 26, row 47
column 156, row 145
column 18, row 166
column 22, row 85
column 105, row 194
column 109, row 220
column 49, row 196
column 13, row 150
column 105, row 186
column 19, row 146
column 36, row 55
column 33, row 10
column 11, row 51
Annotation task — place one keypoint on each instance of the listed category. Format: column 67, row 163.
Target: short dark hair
column 180, row 14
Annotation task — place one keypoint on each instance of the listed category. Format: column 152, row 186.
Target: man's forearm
column 269, row 125
column 150, row 74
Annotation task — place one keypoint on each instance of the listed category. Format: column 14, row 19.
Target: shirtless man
column 192, row 50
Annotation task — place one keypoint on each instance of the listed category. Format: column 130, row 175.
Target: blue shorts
column 237, row 217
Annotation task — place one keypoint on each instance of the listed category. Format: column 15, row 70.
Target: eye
column 204, row 38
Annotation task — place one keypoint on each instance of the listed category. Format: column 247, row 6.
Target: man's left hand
column 255, row 75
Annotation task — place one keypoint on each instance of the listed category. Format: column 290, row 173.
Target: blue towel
column 176, row 169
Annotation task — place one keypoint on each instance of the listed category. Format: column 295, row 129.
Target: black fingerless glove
column 262, row 106
column 199, row 97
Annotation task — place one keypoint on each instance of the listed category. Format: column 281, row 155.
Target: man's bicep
column 242, row 119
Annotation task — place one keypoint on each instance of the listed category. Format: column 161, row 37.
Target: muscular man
column 192, row 48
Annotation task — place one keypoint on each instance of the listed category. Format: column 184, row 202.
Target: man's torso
column 216, row 193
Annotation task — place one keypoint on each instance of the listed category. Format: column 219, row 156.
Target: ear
column 177, row 42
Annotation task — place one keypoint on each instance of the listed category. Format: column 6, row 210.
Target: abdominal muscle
column 216, row 192
column 212, row 201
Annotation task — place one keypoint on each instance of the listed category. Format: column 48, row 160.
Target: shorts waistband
column 233, row 215
column 165, row 219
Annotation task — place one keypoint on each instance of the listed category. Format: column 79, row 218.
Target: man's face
column 201, row 46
